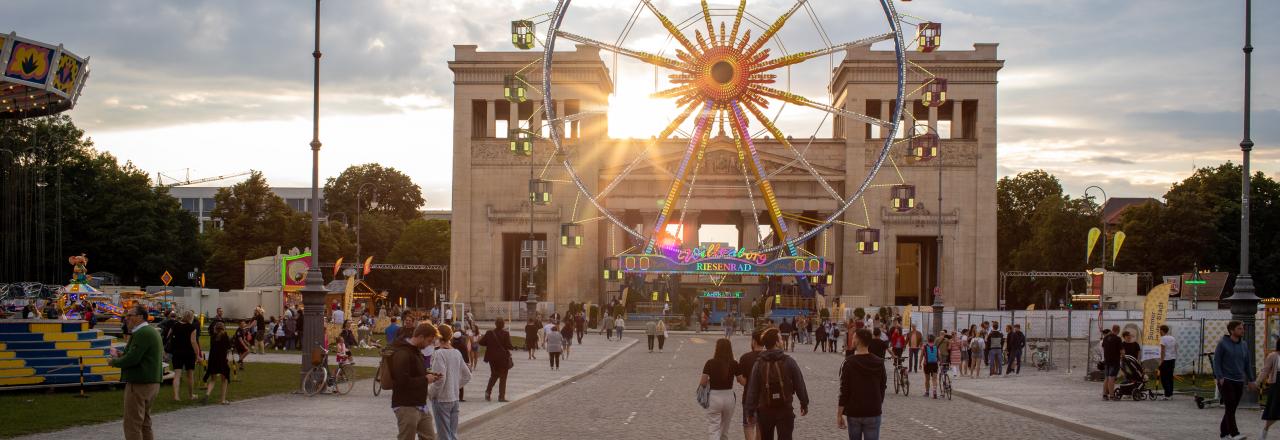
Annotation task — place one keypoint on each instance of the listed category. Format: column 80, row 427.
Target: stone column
column 750, row 234
column 691, row 225
column 957, row 119
column 885, row 114
column 491, row 116
column 513, row 117
column 933, row 119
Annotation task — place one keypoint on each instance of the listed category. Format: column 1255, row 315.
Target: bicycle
column 377, row 380
column 901, row 384
column 1040, row 357
column 944, row 380
column 340, row 382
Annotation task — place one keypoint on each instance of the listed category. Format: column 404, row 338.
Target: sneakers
column 1164, row 398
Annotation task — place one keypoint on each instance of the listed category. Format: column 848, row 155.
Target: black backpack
column 775, row 386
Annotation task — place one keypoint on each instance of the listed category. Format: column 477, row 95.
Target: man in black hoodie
column 862, row 384
column 774, row 379
column 409, row 384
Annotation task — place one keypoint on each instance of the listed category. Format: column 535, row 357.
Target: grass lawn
column 204, row 344
column 29, row 412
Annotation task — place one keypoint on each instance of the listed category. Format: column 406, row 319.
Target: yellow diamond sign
column 166, row 278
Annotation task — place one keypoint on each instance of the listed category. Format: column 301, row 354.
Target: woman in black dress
column 186, row 348
column 218, row 368
column 531, row 338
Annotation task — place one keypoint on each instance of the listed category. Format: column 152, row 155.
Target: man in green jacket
column 142, row 373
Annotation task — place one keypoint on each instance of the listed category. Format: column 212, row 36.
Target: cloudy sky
column 1129, row 95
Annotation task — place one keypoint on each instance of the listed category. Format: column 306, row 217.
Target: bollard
column 82, row 395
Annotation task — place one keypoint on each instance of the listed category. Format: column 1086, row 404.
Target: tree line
column 60, row 196
column 1196, row 222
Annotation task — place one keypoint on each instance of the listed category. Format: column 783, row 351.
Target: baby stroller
column 1133, row 382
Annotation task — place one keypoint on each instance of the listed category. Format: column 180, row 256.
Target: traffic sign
column 166, row 278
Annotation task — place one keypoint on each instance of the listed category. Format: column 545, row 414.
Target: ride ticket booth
column 720, row 302
column 1271, row 313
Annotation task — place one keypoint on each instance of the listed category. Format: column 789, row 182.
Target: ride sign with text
column 714, row 259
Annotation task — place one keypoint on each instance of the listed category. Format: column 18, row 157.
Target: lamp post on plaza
column 937, row 279
column 313, row 291
column 1244, row 303
column 531, row 299
column 373, row 204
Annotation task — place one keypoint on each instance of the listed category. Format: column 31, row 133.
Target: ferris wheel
column 726, row 75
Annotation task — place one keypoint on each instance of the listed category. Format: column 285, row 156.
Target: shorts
column 184, row 361
column 931, row 368
column 1112, row 370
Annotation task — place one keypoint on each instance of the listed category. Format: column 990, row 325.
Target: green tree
column 255, row 222
column 1017, row 199
column 396, row 195
column 421, row 242
column 55, row 184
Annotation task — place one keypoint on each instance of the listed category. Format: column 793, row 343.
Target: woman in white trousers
column 719, row 373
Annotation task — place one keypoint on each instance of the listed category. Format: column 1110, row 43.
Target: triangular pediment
column 721, row 159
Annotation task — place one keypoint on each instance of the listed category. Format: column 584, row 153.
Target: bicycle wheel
column 897, row 382
column 377, row 383
column 342, row 380
column 906, row 385
column 315, row 380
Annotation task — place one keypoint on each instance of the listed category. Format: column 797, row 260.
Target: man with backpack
column 775, row 378
column 930, row 357
column 995, row 349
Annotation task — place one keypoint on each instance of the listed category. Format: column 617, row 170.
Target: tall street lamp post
column 373, row 204
column 1244, row 303
column 1103, row 295
column 937, row 279
column 313, row 292
column 531, row 301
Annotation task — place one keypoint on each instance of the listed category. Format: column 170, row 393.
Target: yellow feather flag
column 1118, row 240
column 1094, row 233
column 906, row 317
column 1031, row 306
column 367, row 263
column 337, row 266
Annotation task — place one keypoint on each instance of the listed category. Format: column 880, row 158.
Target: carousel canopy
column 39, row 79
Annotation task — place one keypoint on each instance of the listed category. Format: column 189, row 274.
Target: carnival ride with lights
column 722, row 75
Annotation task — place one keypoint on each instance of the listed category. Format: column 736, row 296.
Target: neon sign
column 726, row 261
column 721, row 294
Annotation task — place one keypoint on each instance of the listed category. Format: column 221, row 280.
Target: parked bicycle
column 901, row 384
column 1040, row 356
column 319, row 378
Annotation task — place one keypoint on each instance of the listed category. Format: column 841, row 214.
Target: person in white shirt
column 447, row 362
column 1168, row 356
column 448, row 315
column 339, row 317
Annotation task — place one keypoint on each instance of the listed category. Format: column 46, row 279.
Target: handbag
column 704, row 395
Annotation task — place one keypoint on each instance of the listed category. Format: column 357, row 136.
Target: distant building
column 199, row 201
column 437, row 214
column 1113, row 210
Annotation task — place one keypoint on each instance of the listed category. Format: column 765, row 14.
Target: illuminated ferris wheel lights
column 521, row 141
column 930, row 36
column 868, row 240
column 904, row 197
column 522, row 34
column 935, row 93
column 571, row 235
column 513, row 88
column 540, row 192
column 923, row 146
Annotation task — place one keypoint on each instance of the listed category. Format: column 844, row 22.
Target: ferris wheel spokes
column 756, row 167
column 777, row 134
column 696, row 143
column 671, row 127
column 646, row 57
column 800, row 57
column 802, row 101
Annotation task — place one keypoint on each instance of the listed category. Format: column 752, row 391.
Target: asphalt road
column 644, row 396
